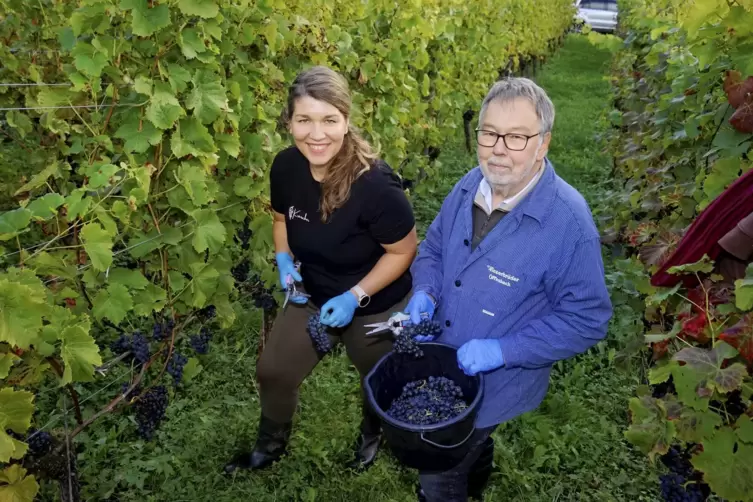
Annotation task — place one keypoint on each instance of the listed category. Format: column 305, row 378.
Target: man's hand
column 287, row 268
column 480, row 355
column 420, row 303
column 338, row 311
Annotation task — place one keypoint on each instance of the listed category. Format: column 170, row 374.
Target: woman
column 342, row 213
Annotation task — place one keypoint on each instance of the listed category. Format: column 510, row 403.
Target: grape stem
column 74, row 395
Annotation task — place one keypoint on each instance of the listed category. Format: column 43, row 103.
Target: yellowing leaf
column 23, row 303
column 6, row 361
column 80, row 354
column 16, row 408
column 16, row 485
column 98, row 245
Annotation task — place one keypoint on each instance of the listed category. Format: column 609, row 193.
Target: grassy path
column 570, row 449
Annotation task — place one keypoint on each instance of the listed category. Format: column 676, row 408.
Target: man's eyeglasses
column 514, row 141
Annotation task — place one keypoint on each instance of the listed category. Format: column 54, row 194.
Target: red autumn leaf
column 740, row 336
column 659, row 349
column 737, row 89
column 70, row 302
column 742, row 119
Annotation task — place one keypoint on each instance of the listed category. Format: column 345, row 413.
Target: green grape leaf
column 112, row 303
column 12, row 222
column 164, row 108
column 696, row 426
column 16, row 485
column 231, row 143
column 192, row 176
column 133, row 279
column 688, row 381
column 23, row 303
column 101, row 175
column 192, row 138
column 704, row 266
column 6, row 361
column 45, row 207
column 77, row 203
column 80, row 353
column 147, row 20
column 88, row 60
column 204, row 283
column 744, row 426
column 744, row 290
column 191, row 369
column 191, row 43
column 138, row 134
column 98, row 245
column 16, row 408
column 201, row 8
column 47, row 264
column 208, row 98
column 245, row 186
column 40, row 179
column 209, row 232
column 151, row 299
column 727, row 465
column 724, row 172
column 178, row 77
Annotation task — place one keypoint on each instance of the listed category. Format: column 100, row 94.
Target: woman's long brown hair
column 356, row 154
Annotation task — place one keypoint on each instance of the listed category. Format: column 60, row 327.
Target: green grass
column 571, row 448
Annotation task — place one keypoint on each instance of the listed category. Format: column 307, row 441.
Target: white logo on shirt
column 501, row 277
column 296, row 213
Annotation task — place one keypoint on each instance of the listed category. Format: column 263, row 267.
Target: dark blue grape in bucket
column 434, row 447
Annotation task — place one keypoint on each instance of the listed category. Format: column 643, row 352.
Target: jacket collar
column 536, row 204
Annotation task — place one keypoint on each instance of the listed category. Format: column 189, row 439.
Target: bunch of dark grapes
column 240, row 272
column 673, row 485
column 200, row 342
column 426, row 327
column 263, row 299
column 405, row 344
column 40, row 442
column 207, row 313
column 150, row 410
column 136, row 344
column 244, row 235
column 732, row 408
column 318, row 333
column 428, row 401
column 175, row 367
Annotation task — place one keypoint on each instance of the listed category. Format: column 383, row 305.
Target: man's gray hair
column 511, row 88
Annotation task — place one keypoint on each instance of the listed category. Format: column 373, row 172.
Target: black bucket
column 436, row 447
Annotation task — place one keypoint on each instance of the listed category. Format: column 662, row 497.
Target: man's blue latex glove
column 286, row 268
column 338, row 311
column 420, row 303
column 480, row 355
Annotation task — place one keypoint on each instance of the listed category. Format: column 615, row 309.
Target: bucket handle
column 447, row 447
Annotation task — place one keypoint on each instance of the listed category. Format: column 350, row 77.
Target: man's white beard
column 504, row 184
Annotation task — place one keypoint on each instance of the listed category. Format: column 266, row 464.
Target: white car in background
column 600, row 15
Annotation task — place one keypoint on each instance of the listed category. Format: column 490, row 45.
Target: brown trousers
column 289, row 355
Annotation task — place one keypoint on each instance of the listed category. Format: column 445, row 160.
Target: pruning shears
column 395, row 324
column 291, row 290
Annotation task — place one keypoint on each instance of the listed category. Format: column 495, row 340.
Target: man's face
column 506, row 168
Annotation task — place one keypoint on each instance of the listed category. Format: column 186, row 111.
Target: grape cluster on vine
column 428, row 401
column 682, row 483
column 200, row 342
column 136, row 344
column 244, row 235
column 240, row 272
column 150, row 410
column 175, row 367
column 318, row 333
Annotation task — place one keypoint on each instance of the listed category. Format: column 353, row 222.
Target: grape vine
column 141, row 215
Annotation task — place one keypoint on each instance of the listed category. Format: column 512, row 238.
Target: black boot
column 481, row 470
column 271, row 444
column 368, row 441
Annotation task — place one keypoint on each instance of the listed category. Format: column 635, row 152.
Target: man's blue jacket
column 535, row 282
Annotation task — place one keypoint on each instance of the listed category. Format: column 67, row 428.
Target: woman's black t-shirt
column 336, row 255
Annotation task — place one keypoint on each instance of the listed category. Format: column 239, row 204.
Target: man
column 512, row 269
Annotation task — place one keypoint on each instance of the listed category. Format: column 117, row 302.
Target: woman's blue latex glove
column 480, row 355
column 338, row 311
column 286, row 268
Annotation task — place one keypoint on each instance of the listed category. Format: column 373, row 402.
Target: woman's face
column 318, row 129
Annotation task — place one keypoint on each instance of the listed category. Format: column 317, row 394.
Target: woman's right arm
column 280, row 234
